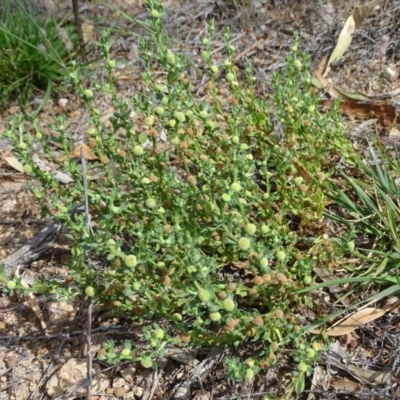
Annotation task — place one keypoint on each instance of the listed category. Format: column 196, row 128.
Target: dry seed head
column 275, row 346
column 250, row 332
column 258, row 321
column 232, row 286
column 281, row 278
column 166, row 280
column 279, row 314
column 158, row 298
column 138, row 310
column 185, row 337
column 258, row 280
column 192, row 180
column 267, row 278
column 222, row 294
column 104, row 159
column 252, row 292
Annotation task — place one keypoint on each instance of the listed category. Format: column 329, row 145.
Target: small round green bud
column 280, row 255
column 203, row 114
column 210, row 123
column 180, row 116
column 111, row 63
column 175, row 140
column 138, row 150
column 39, row 136
column 205, row 41
column 164, row 101
column 177, row 317
column 159, row 110
column 146, row 362
column 200, row 240
column 204, row 295
column 11, row 285
column 351, row 245
column 215, row 316
column 189, row 113
column 131, row 261
column 149, row 121
column 158, row 334
column 155, row 14
column 28, row 169
column 170, row 57
column 297, row 64
column 228, row 304
column 136, row 286
column 249, row 375
column 230, row 77
column 172, row 123
column 244, row 146
column 302, row 366
column 191, row 268
column 236, row 187
column 88, row 93
column 250, row 229
column 89, row 291
column 214, row 69
column 235, row 139
column 151, row 203
column 298, row 180
column 91, row 131
column 311, row 353
column 125, row 352
column 226, row 197
column 244, row 243
column 311, row 108
column 307, row 280
column 265, row 229
column 264, row 263
column 293, row 48
column 22, row 145
column 145, row 181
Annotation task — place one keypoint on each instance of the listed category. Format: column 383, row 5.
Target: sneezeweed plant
column 215, row 234
column 34, row 52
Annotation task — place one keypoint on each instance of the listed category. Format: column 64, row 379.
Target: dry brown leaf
column 14, row 163
column 87, row 152
column 386, row 113
column 359, row 318
column 344, row 384
column 343, row 43
column 346, row 35
column 321, row 82
column 362, row 12
column 303, row 172
column 202, row 395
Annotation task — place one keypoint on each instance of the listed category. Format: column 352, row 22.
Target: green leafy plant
column 34, row 52
column 219, row 247
column 371, row 212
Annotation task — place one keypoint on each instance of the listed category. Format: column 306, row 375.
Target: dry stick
column 90, row 308
column 79, row 30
